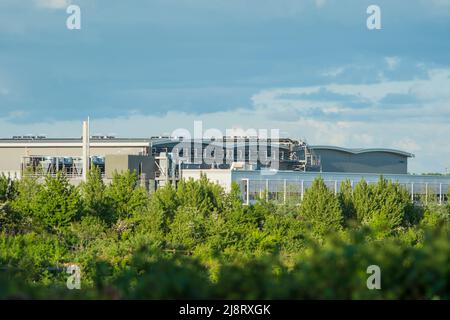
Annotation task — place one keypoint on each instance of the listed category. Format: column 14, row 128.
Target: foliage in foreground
column 196, row 241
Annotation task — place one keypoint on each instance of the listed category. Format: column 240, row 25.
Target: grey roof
column 70, row 140
column 363, row 150
column 154, row 141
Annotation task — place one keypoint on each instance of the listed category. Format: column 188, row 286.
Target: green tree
column 286, row 230
column 201, row 194
column 164, row 204
column 346, row 200
column 392, row 206
column 232, row 200
column 434, row 215
column 93, row 194
column 188, row 228
column 320, row 208
column 125, row 195
column 4, row 186
column 228, row 250
column 363, row 202
column 448, row 201
column 384, row 206
column 11, row 222
column 87, row 230
column 27, row 189
column 169, row 277
column 57, row 203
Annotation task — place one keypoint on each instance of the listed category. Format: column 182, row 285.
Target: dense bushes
column 196, row 241
column 7, row 188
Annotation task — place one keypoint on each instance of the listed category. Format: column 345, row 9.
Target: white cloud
column 16, row 114
column 333, row 72
column 4, row 90
column 414, row 126
column 437, row 7
column 320, row 3
column 441, row 2
column 425, row 98
column 53, row 4
column 392, row 62
column 407, row 144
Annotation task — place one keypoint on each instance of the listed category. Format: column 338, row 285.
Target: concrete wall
column 120, row 163
column 144, row 163
column 220, row 176
column 370, row 162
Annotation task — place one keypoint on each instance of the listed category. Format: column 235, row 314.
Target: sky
column 310, row 68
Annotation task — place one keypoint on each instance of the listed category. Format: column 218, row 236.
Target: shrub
column 7, row 188
column 320, row 208
column 93, row 195
column 125, row 195
column 57, row 203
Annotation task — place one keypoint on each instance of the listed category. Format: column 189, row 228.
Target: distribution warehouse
column 278, row 168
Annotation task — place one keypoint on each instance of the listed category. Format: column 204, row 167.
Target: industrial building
column 284, row 168
column 40, row 155
column 380, row 160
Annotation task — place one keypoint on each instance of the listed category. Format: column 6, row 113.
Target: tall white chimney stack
column 86, row 138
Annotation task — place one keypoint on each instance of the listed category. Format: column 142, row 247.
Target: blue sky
column 310, row 68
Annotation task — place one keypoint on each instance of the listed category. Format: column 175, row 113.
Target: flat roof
column 73, row 142
column 281, row 175
column 11, row 140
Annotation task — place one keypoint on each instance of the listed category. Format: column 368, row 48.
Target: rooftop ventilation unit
column 29, row 137
column 99, row 137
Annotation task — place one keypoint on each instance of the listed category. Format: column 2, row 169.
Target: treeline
column 197, row 241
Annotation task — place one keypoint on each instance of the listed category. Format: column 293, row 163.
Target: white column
column 303, row 189
column 246, row 184
column 247, row 200
column 86, row 138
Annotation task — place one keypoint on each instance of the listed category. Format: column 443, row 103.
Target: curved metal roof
column 363, row 150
